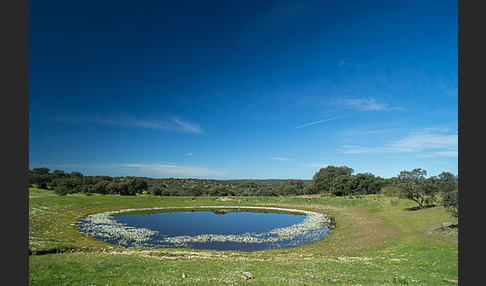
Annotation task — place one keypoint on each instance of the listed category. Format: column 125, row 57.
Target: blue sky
column 243, row 89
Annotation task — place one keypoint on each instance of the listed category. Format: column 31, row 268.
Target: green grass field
column 377, row 241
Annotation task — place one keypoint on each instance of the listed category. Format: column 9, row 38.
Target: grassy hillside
column 378, row 241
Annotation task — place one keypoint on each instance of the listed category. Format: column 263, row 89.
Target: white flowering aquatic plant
column 103, row 226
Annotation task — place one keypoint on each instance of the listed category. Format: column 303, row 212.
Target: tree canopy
column 331, row 180
column 322, row 180
column 414, row 186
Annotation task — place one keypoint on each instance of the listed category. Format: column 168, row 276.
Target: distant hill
column 267, row 182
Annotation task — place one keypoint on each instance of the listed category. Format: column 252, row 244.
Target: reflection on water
column 207, row 222
column 218, row 229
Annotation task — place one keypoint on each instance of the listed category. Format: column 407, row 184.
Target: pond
column 216, row 227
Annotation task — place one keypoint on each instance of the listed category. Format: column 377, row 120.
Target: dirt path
column 356, row 229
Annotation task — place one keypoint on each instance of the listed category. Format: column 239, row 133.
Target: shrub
column 389, row 191
column 61, row 190
column 414, row 186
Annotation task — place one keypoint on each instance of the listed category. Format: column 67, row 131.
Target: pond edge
column 103, row 226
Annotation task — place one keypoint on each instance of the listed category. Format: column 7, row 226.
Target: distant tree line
column 64, row 183
column 340, row 181
column 331, row 180
column 436, row 190
column 442, row 189
column 75, row 182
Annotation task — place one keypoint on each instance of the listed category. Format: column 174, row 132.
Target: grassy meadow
column 378, row 240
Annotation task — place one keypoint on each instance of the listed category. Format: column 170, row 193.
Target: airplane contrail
column 316, row 122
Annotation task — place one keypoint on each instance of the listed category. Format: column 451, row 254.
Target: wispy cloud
column 186, row 126
column 167, row 125
column 173, row 124
column 317, row 122
column 314, row 165
column 281, row 159
column 176, row 170
column 445, row 153
column 358, row 131
column 155, row 170
column 370, row 104
column 424, row 141
column 302, row 164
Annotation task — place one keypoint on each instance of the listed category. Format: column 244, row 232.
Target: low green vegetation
column 380, row 239
column 331, row 180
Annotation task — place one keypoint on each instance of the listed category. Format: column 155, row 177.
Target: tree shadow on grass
column 419, row 208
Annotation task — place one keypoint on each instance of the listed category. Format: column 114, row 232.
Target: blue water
column 190, row 224
column 207, row 222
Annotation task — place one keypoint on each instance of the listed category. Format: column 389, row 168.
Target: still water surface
column 207, row 222
column 217, row 229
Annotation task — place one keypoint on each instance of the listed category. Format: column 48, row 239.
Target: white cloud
column 183, row 126
column 425, row 142
column 370, row 104
column 139, row 123
column 351, row 149
column 314, row 165
column 280, row 159
column 168, row 125
column 173, row 124
column 154, row 170
column 358, row 131
column 175, row 170
column 445, row 153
